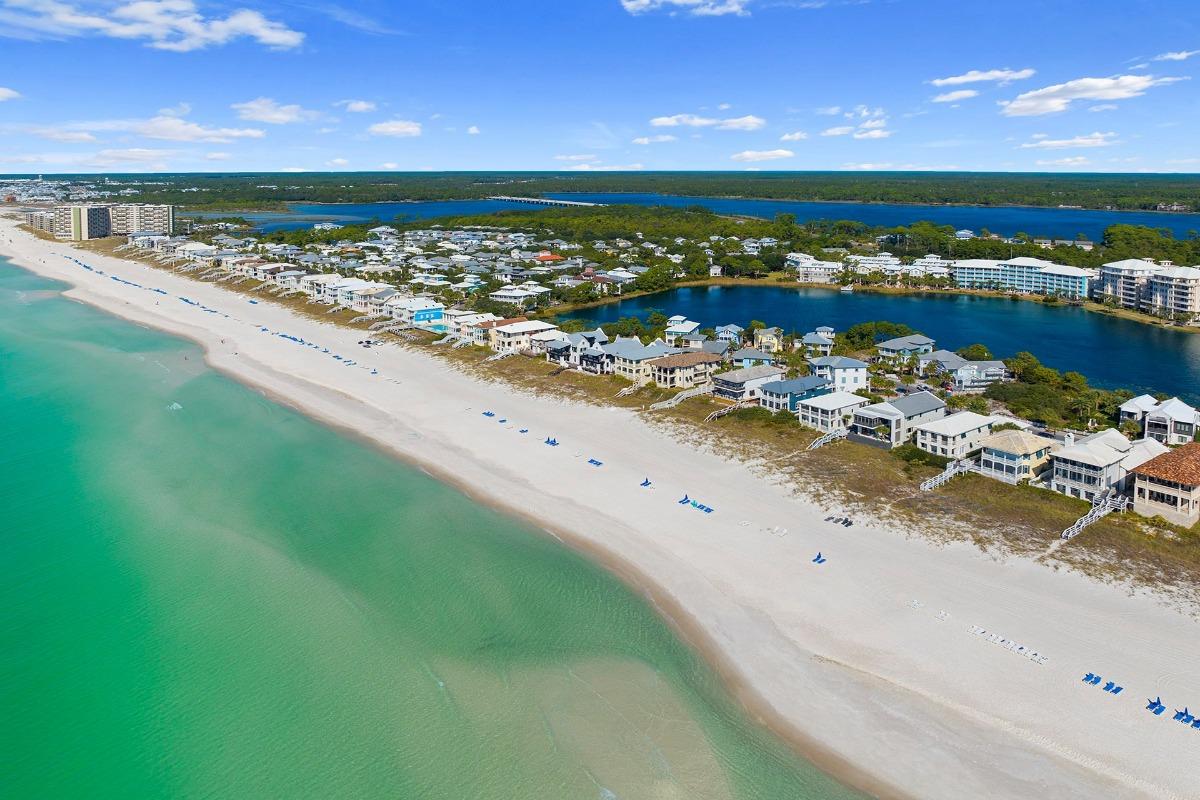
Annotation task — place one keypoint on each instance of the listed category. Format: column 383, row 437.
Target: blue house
column 784, row 395
column 749, row 357
column 730, row 333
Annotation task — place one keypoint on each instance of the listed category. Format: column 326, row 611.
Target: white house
column 956, row 436
column 846, row 374
column 829, row 412
column 1097, row 463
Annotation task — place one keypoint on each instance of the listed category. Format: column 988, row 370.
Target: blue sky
column 192, row 85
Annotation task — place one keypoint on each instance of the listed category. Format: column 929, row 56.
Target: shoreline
column 761, row 626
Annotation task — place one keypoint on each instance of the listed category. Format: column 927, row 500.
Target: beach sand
column 869, row 662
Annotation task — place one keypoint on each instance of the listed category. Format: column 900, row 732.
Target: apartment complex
column 78, row 222
column 1127, row 281
column 1024, row 274
column 1175, row 291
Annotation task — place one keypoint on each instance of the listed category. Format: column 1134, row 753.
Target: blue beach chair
column 817, row 558
column 645, row 483
column 684, row 501
column 523, row 430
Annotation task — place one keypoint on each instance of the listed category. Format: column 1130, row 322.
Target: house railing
column 1105, row 503
column 828, row 438
column 720, row 412
column 687, row 394
column 953, row 470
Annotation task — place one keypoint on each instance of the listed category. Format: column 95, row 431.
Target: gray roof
column 796, row 385
column 905, row 342
column 837, row 362
column 748, row 374
column 716, row 347
column 749, row 352
column 917, row 403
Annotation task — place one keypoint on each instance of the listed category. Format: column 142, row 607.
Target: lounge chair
column 1179, row 715
column 1118, row 689
column 489, row 413
column 685, row 500
column 1096, row 680
column 817, row 559
column 646, row 482
column 1108, row 687
column 523, row 430
column 1088, row 678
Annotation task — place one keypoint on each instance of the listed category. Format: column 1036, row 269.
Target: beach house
column 482, row 332
column 846, row 374
column 903, row 348
column 516, row 337
column 960, row 374
column 683, row 370
column 956, row 436
column 1099, row 462
column 583, row 351
column 769, row 340
column 829, row 412
column 892, row 423
column 631, row 358
column 1013, row 456
column 420, row 312
column 677, row 327
column 730, row 333
column 750, row 357
column 784, row 395
column 816, row 343
column 1168, row 486
column 746, row 383
column 1172, row 422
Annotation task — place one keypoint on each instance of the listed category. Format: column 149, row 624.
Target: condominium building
column 1024, row 274
column 1127, row 281
column 42, row 220
column 130, row 218
column 811, row 270
column 82, row 222
column 1175, row 291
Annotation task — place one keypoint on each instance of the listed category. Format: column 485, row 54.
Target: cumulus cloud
column 264, row 109
column 168, row 128
column 217, row 156
column 1178, row 55
column 395, row 127
column 829, row 111
column 660, row 138
column 762, row 155
column 473, row 130
column 59, row 135
column 955, row 96
column 841, row 130
column 1097, row 139
column 143, row 157
column 8, row 94
column 1103, row 107
column 1001, row 76
column 794, row 136
column 746, row 123
column 174, row 25
column 873, row 133
column 700, row 8
column 577, row 157
column 356, row 106
column 390, row 165
column 337, row 162
column 1060, row 96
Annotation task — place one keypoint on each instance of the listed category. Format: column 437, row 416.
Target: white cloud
column 762, row 155
column 337, row 162
column 1178, row 55
column 168, row 128
column 1069, row 161
column 746, row 123
column 724, row 106
column 1001, row 76
column 876, row 167
column 829, row 111
column 177, row 110
column 955, row 96
column 265, row 109
column 147, row 158
column 473, row 130
column 874, row 123
column 395, row 127
column 59, row 135
column 8, row 94
column 391, row 165
column 578, row 157
column 1104, row 107
column 700, row 8
column 295, row 169
column 873, row 133
column 1057, row 98
column 608, row 167
column 794, row 136
column 841, row 130
column 174, row 25
column 662, row 137
column 1097, row 139
column 356, row 106
column 864, row 112
column 217, row 156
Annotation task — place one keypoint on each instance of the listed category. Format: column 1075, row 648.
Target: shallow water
column 205, row 594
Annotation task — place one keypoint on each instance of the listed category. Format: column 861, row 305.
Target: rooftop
column 1181, row 465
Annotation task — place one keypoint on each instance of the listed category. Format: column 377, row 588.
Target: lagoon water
column 205, row 594
column 1112, row 352
column 1058, row 223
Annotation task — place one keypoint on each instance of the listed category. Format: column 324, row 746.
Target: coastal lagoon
column 206, row 594
column 1058, row 223
column 1112, row 352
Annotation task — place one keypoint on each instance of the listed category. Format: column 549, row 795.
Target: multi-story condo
column 1175, row 291
column 1024, row 274
column 811, row 270
column 880, row 262
column 82, row 222
column 42, row 220
column 1127, row 281
column 130, row 218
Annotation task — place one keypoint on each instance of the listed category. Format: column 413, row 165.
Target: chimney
column 1069, row 440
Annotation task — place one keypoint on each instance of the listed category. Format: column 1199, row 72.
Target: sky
column 199, row 86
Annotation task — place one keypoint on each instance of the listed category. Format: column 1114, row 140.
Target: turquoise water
column 1113, row 353
column 205, row 594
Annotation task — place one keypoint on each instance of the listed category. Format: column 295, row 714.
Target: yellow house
column 769, row 340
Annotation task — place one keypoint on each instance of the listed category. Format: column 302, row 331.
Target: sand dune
column 871, row 662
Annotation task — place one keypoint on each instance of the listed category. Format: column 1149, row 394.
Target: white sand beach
column 871, row 662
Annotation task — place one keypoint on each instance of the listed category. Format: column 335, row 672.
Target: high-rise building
column 82, row 222
column 130, row 218
column 42, row 220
